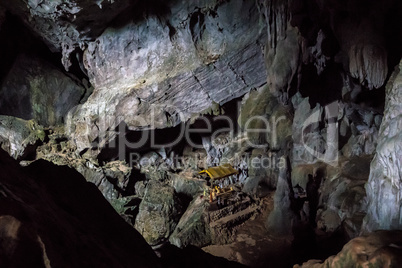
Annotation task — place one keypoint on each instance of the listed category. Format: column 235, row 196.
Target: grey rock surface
column 280, row 220
column 179, row 71
column 193, row 227
column 342, row 199
column 308, row 143
column 159, row 213
column 384, row 185
column 35, row 89
column 16, row 135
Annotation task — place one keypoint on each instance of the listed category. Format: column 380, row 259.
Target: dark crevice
column 374, row 98
column 141, row 10
column 17, row 39
column 324, row 88
column 197, row 26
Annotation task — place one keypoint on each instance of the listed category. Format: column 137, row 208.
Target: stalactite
column 368, row 63
column 276, row 16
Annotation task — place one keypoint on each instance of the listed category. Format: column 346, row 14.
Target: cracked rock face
column 16, row 135
column 183, row 64
column 159, row 213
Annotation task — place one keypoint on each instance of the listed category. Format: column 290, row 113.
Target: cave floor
column 253, row 245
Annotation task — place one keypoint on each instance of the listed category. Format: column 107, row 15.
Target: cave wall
column 383, row 187
column 34, row 89
column 185, row 59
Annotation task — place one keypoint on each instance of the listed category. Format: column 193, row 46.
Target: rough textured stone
column 16, row 135
column 283, row 61
column 342, row 195
column 266, row 121
column 308, row 143
column 187, row 184
column 172, row 81
column 34, row 89
column 384, row 185
column 359, row 122
column 193, row 227
column 263, row 171
column 159, row 213
column 362, row 50
column 162, row 63
column 280, row 219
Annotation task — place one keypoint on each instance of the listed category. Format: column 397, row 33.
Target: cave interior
column 209, row 133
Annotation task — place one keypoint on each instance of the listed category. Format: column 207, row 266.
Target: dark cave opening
column 374, row 98
column 172, row 139
column 324, row 88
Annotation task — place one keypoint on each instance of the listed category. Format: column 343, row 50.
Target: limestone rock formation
column 342, row 196
column 180, row 72
column 193, row 227
column 18, row 137
column 383, row 187
column 290, row 93
column 159, row 213
column 34, row 89
column 379, row 249
column 280, row 219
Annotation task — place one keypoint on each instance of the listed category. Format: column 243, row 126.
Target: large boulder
column 186, row 183
column 159, row 213
column 342, row 196
column 193, row 227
